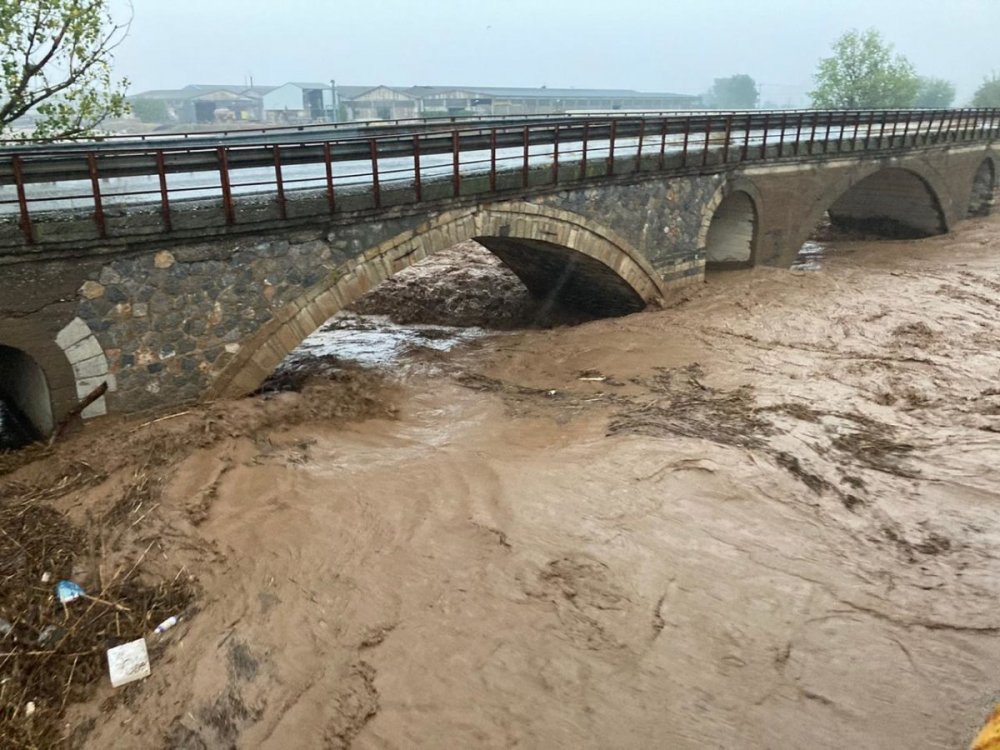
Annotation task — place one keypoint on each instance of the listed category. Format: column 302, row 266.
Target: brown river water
column 767, row 517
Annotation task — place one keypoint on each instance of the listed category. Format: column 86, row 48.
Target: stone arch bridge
column 203, row 298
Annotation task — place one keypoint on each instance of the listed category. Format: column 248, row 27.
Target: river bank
column 763, row 518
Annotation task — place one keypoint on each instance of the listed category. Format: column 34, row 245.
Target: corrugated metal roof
column 551, row 93
column 352, row 91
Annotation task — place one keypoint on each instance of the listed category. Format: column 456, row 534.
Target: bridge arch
column 888, row 201
column 24, row 390
column 729, row 230
column 984, row 183
column 553, row 252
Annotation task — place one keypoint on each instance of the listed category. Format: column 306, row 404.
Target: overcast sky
column 651, row 45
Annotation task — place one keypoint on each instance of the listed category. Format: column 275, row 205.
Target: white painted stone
column 84, row 349
column 94, row 367
column 97, row 409
column 84, row 386
column 74, row 331
column 232, row 348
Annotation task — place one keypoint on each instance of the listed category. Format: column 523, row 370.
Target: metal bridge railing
column 399, row 165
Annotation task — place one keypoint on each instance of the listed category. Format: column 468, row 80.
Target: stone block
column 164, row 259
column 92, row 290
column 84, row 349
column 97, row 409
column 91, row 368
column 74, row 331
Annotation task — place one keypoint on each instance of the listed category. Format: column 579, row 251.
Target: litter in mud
column 128, row 662
column 67, row 591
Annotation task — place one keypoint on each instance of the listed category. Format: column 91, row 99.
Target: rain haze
column 524, row 374
column 651, row 46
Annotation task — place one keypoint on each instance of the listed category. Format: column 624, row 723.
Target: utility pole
column 334, row 99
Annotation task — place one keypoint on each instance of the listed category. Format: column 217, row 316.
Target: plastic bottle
column 164, row 626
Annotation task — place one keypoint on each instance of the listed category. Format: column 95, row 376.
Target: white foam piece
column 128, row 662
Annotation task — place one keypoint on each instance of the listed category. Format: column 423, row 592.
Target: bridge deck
column 282, row 175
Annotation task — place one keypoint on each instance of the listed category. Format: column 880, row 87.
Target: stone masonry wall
column 661, row 217
column 170, row 319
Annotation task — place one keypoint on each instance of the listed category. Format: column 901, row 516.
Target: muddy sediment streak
column 765, row 518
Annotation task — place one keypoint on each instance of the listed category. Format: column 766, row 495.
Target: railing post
column 881, row 131
column 857, row 126
column 940, row 115
column 524, row 170
column 868, row 132
column 663, row 143
column 826, row 136
column 418, row 188
column 638, row 153
column 282, row 208
column 746, row 138
column 95, row 185
column 781, row 138
column 611, row 149
column 331, row 198
column 376, row 187
column 708, row 135
column 22, row 201
column 161, row 171
column 555, row 155
column 227, row 193
column 583, row 156
column 456, row 177
column 763, row 143
column 687, row 137
column 725, row 145
column 975, row 124
column 798, row 132
column 493, row 160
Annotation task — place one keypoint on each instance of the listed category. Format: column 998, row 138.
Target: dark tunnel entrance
column 25, row 406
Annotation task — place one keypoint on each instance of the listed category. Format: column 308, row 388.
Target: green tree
column 55, row 64
column 988, row 95
column 863, row 73
column 935, row 93
column 150, row 110
column 734, row 92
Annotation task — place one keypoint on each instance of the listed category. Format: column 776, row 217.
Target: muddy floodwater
column 766, row 517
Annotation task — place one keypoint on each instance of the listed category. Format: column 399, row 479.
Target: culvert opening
column 456, row 296
column 25, row 406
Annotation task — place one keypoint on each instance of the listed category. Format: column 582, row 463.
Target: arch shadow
column 24, row 390
column 731, row 238
column 984, row 185
column 555, row 253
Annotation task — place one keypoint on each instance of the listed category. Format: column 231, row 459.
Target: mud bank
column 765, row 518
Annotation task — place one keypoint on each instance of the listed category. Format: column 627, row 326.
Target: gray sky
column 652, row 45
